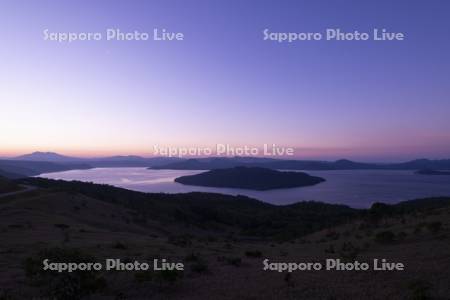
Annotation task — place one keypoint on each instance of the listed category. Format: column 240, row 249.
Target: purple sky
column 223, row 83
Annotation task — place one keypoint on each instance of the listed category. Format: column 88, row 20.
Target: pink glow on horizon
column 363, row 154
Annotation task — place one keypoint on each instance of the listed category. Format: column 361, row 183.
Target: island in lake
column 253, row 178
column 432, row 172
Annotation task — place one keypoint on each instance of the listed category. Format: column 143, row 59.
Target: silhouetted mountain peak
column 344, row 161
column 121, row 157
column 420, row 160
column 45, row 156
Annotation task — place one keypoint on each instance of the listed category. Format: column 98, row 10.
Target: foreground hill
column 216, row 212
column 222, row 241
column 250, row 178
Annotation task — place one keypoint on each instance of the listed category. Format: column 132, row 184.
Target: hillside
column 216, row 212
column 222, row 240
column 23, row 168
column 7, row 186
column 250, row 178
column 10, row 175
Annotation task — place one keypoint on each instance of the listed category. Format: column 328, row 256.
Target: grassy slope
column 215, row 211
column 109, row 222
column 6, row 186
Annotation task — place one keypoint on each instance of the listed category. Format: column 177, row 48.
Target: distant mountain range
column 111, row 161
column 343, row 164
column 44, row 162
column 24, row 168
column 433, row 172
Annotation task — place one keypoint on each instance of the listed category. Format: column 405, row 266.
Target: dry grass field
column 218, row 264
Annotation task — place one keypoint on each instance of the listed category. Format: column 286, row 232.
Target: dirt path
column 26, row 188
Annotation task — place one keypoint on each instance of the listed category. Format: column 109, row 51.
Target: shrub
column 253, row 253
column 348, row 251
column 62, row 226
column 119, row 245
column 199, row 267
column 418, row 229
column 143, row 276
column 228, row 246
column 18, row 226
column 288, row 280
column 402, row 235
column 333, row 235
column 233, row 261
column 191, row 257
column 168, row 276
column 5, row 294
column 385, row 237
column 180, row 240
column 329, row 249
column 358, row 236
column 64, row 285
column 420, row 289
column 434, row 227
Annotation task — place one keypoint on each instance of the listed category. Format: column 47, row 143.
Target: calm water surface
column 356, row 188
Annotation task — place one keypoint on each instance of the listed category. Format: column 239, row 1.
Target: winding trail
column 26, row 188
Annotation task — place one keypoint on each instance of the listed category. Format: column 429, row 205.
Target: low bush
column 199, row 266
column 63, row 285
column 143, row 276
column 385, row 237
column 420, row 290
column 348, row 251
column 253, row 253
column 434, row 227
column 233, row 261
column 191, row 257
column 168, row 276
column 119, row 245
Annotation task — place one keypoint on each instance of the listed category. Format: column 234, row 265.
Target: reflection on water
column 357, row 188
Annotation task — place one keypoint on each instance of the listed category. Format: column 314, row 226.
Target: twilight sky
column 367, row 100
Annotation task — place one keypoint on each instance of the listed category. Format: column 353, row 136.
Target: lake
column 356, row 188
